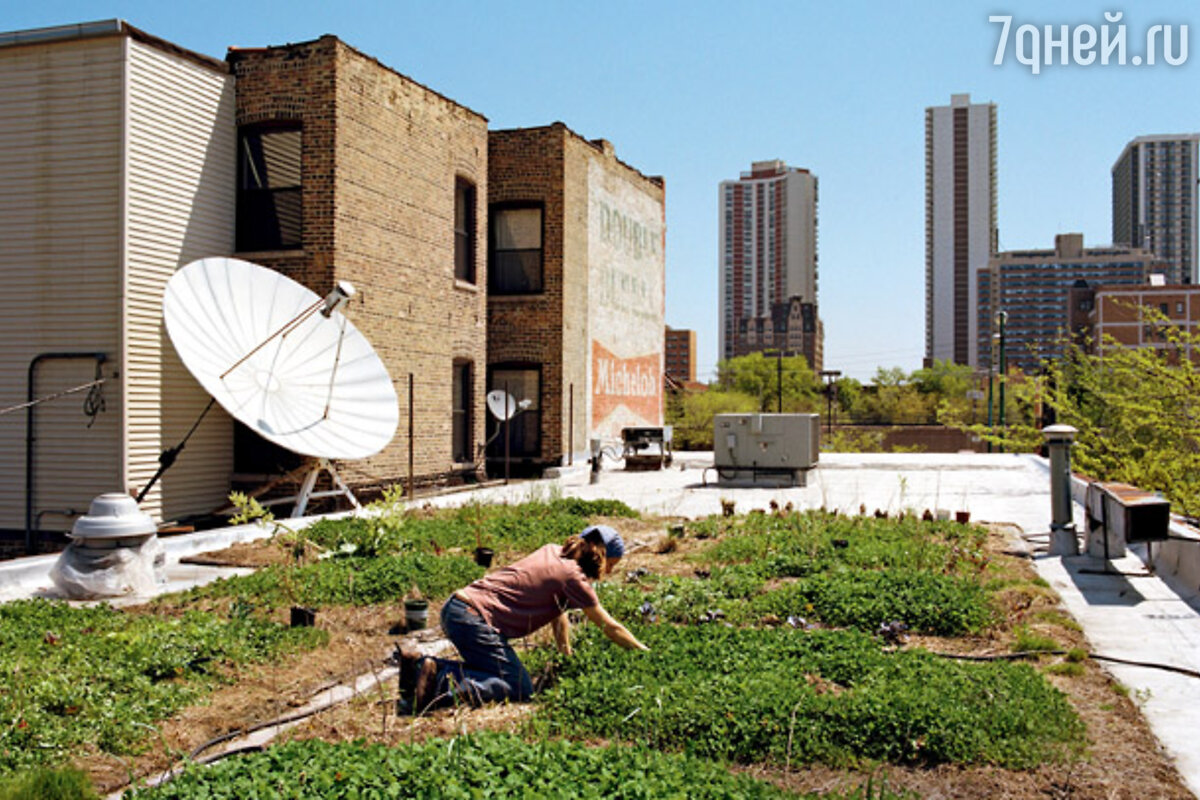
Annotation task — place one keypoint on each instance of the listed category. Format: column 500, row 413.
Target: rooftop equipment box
column 765, row 449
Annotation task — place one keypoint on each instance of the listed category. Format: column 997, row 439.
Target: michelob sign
column 625, row 303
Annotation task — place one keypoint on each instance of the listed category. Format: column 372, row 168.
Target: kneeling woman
column 512, row 602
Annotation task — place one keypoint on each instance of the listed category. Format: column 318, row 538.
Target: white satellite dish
column 309, row 382
column 502, row 404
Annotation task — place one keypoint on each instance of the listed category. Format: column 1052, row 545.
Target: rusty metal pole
column 412, row 491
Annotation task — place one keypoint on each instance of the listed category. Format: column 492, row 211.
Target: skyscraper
column 1155, row 203
column 960, row 222
column 768, row 257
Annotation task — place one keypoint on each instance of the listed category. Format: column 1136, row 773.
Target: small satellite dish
column 307, row 381
column 502, row 404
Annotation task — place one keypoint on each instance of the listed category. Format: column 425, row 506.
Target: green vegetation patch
column 817, row 567
column 518, row 528
column 924, row 602
column 787, row 696
column 481, row 765
column 70, row 676
column 343, row 581
column 798, row 544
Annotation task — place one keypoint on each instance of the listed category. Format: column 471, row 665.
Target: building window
column 464, row 230
column 269, row 207
column 516, row 250
column 522, row 382
column 461, row 403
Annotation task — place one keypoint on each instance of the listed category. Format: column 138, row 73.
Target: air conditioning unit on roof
column 765, row 449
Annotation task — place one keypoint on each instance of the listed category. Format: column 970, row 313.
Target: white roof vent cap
column 113, row 515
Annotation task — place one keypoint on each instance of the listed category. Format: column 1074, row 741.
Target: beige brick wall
column 381, row 155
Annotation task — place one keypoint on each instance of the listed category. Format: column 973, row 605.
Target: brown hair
column 587, row 553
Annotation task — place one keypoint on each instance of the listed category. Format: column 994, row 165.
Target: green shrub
column 787, row 696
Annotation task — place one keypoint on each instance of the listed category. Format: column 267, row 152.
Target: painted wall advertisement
column 626, row 298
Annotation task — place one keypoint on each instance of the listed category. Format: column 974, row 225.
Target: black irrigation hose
column 1191, row 673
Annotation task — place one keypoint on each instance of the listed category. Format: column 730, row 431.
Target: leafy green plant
column 1028, row 641
column 784, row 696
column 480, row 765
column 73, row 675
column 348, row 581
column 44, row 783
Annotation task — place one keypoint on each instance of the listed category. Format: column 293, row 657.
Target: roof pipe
column 100, row 358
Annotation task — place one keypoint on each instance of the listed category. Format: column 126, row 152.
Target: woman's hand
column 613, row 629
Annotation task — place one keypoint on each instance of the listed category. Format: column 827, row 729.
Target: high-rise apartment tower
column 768, row 257
column 960, row 222
column 1154, row 201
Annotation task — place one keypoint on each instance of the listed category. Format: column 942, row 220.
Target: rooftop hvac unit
column 765, row 449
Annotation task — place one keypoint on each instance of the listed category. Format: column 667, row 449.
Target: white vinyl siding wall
column 60, row 157
column 180, row 207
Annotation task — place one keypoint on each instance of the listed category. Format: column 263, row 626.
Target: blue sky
column 695, row 91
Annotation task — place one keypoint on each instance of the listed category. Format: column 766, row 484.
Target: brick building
column 792, row 328
column 348, row 170
column 1034, row 288
column 1118, row 314
column 575, row 292
column 680, row 364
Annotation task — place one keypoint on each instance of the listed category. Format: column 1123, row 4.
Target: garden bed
column 791, row 648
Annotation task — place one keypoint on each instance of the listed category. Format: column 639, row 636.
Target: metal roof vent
column 114, row 551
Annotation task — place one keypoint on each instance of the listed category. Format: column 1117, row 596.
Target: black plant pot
column 416, row 614
column 303, row 617
column 484, row 556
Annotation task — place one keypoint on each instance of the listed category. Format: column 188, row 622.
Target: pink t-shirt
column 527, row 594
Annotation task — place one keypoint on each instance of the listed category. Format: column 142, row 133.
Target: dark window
column 516, row 239
column 268, row 202
column 523, row 382
column 461, row 438
column 464, row 230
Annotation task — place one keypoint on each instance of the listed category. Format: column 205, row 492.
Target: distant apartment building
column 768, row 260
column 960, row 222
column 1156, row 201
column 576, row 294
column 1118, row 314
column 792, row 327
column 680, row 360
column 1035, row 287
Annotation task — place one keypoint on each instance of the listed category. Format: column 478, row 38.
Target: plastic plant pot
column 303, row 617
column 416, row 614
column 484, row 556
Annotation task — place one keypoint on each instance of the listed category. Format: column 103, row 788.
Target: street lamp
column 1001, row 318
column 830, row 375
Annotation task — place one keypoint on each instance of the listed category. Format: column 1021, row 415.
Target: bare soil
column 1123, row 759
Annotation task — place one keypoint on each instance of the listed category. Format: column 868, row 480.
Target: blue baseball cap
column 614, row 546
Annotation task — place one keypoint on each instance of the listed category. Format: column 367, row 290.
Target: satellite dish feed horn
column 320, row 390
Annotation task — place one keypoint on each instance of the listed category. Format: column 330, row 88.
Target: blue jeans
column 489, row 670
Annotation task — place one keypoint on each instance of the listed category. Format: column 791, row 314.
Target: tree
column 1137, row 410
column 757, row 375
